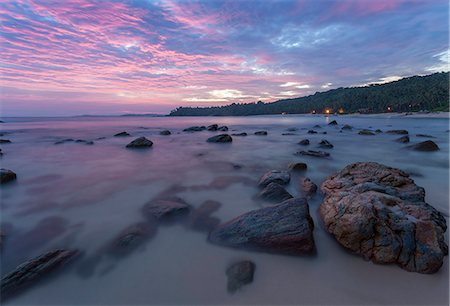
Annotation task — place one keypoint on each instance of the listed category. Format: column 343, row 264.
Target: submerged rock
column 223, row 128
column 425, row 146
column 64, row 141
column 165, row 133
column 399, row 132
column 6, row 176
column 288, row 134
column 5, row 141
column 286, row 228
column 140, row 142
column 212, row 127
column 88, row 142
column 307, row 186
column 403, row 139
column 31, row 271
column 366, row 132
column 195, row 129
column 122, row 134
column 261, row 133
column 298, row 166
column 314, row 153
column 274, row 192
column 334, row 122
column 239, row 134
column 293, row 129
column 220, row 138
column 347, row 127
column 131, row 238
column 165, row 208
column 304, row 142
column 200, row 218
column 274, row 176
column 325, row 144
column 425, row 136
column 239, row 274
column 380, row 213
column 312, row 132
column 378, row 131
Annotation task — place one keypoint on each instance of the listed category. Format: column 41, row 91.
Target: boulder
column 403, row 139
column 286, row 228
column 220, row 138
column 5, row 141
column 31, row 271
column 312, row 132
column 378, row 131
column 274, row 176
column 325, row 144
column 166, row 208
column 140, row 142
column 131, row 238
column 366, row 132
column 425, row 146
column 398, row 132
column 195, row 129
column 304, row 142
column 307, row 186
column 380, row 213
column 314, row 153
column 261, row 133
column 298, row 167
column 223, row 128
column 212, row 127
column 6, row 176
column 239, row 274
column 122, row 134
column 239, row 134
column 334, row 122
column 274, row 192
column 165, row 132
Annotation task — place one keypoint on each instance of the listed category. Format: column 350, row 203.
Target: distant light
column 327, row 111
column 389, row 109
column 314, row 111
column 341, row 110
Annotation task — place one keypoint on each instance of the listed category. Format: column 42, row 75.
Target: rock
column 334, row 122
column 212, row 127
column 261, row 133
column 399, row 132
column 220, row 138
column 223, row 128
column 31, row 271
column 366, row 132
column 307, row 186
column 288, row 134
column 324, row 133
column 317, row 126
column 312, row 132
column 166, row 208
column 88, row 142
column 195, row 129
column 200, row 219
column 131, row 238
column 378, row 131
column 5, row 141
column 285, row 228
column 314, row 153
column 347, row 127
column 424, row 135
column 274, row 176
column 274, row 192
column 403, row 139
column 165, row 133
column 425, row 146
column 122, row 134
column 325, row 144
column 140, row 142
column 239, row 134
column 239, row 274
column 1, row 152
column 380, row 213
column 64, row 141
column 6, row 176
column 292, row 129
column 298, row 166
column 304, row 142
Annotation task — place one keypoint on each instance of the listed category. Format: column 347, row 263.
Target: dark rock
column 424, row 135
column 347, row 127
column 220, row 138
column 425, row 146
column 378, row 131
column 31, row 271
column 312, row 132
column 131, row 238
column 140, row 142
column 298, row 166
column 288, row 134
column 334, row 122
column 285, row 228
column 88, row 142
column 7, row 176
column 274, row 176
column 5, row 141
column 274, row 193
column 212, row 127
column 165, row 133
column 64, row 141
column 292, row 129
column 307, row 186
column 325, row 144
column 223, row 128
column 239, row 274
column 399, row 132
column 324, row 133
column 200, row 219
column 261, row 133
column 166, row 208
column 304, row 142
column 195, row 129
column 122, row 134
column 239, row 134
column 317, row 126
column 314, row 153
column 403, row 139
column 380, row 213
column 366, row 132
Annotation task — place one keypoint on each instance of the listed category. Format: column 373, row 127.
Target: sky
column 72, row 57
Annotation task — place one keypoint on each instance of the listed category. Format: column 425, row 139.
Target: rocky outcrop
column 166, row 208
column 31, row 271
column 286, row 228
column 122, row 134
column 220, row 138
column 274, row 176
column 140, row 142
column 239, row 274
column 314, row 153
column 425, row 146
column 307, row 186
column 6, row 176
column 380, row 213
column 274, row 192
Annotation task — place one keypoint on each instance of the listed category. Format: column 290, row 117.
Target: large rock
column 380, row 213
column 220, row 138
column 274, row 176
column 426, row 146
column 166, row 208
column 6, row 176
column 239, row 274
column 274, row 192
column 140, row 142
column 31, row 271
column 286, row 228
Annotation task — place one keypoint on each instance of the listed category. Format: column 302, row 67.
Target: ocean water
column 80, row 196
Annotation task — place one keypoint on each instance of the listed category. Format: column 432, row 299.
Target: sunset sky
column 113, row 57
